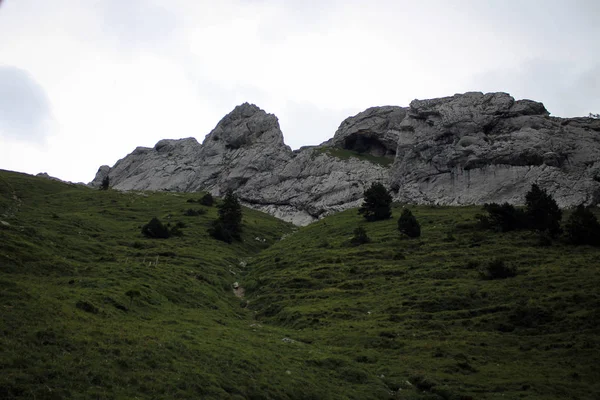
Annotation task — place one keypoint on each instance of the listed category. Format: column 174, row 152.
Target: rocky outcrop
column 374, row 131
column 246, row 153
column 464, row 149
column 475, row 148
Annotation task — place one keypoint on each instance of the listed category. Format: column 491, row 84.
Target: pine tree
column 408, row 224
column 105, row 183
column 542, row 211
column 583, row 227
column 377, row 203
column 229, row 224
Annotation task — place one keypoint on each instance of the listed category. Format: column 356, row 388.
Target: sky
column 84, row 82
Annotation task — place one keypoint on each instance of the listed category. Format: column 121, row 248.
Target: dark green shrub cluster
column 496, row 269
column 377, row 203
column 87, row 307
column 360, row 237
column 542, row 211
column 228, row 227
column 582, row 227
column 157, row 230
column 207, row 200
column 502, row 217
column 190, row 212
column 408, row 224
column 541, row 214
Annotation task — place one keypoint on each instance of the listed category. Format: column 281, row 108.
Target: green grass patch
column 90, row 308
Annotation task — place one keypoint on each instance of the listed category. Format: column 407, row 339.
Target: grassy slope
column 363, row 320
column 418, row 309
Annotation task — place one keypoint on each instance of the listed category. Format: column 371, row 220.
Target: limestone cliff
column 464, row 149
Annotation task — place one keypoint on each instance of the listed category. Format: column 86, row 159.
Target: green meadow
column 92, row 309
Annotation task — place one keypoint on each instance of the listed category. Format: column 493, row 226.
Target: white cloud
column 121, row 74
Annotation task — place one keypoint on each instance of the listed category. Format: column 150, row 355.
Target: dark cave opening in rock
column 369, row 145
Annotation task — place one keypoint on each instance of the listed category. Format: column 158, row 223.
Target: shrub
column 219, row 232
column 496, row 269
column 542, row 211
column 132, row 294
column 87, row 307
column 377, row 203
column 503, row 217
column 190, row 212
column 176, row 230
column 360, row 237
column 582, row 227
column 155, row 229
column 408, row 224
column 207, row 200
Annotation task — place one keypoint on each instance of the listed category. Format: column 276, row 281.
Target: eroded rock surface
column 475, row 148
column 464, row 149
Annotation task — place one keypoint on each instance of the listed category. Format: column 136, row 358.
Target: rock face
column 465, row 149
column 246, row 153
column 374, row 131
column 475, row 148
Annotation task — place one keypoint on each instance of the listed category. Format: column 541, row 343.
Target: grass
column 344, row 154
column 89, row 308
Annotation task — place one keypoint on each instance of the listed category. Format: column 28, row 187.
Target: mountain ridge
column 468, row 148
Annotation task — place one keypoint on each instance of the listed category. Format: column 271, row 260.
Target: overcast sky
column 83, row 82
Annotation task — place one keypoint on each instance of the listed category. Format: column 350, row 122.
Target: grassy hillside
column 395, row 318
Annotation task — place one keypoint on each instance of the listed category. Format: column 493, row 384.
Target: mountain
column 469, row 148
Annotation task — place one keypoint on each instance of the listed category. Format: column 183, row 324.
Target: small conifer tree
column 408, row 224
column 229, row 224
column 377, row 203
column 105, row 183
column 583, row 227
column 542, row 211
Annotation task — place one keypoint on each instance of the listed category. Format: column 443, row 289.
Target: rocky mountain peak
column 469, row 148
column 245, row 126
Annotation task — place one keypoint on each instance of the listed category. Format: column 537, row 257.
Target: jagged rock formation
column 464, row 149
column 374, row 131
column 475, row 148
column 246, row 153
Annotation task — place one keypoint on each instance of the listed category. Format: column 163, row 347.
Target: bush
column 176, row 230
column 582, row 227
column 190, row 212
column 377, row 203
column 219, row 232
column 156, row 230
column 207, row 200
column 496, row 269
column 360, row 237
column 408, row 224
column 542, row 211
column 503, row 217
